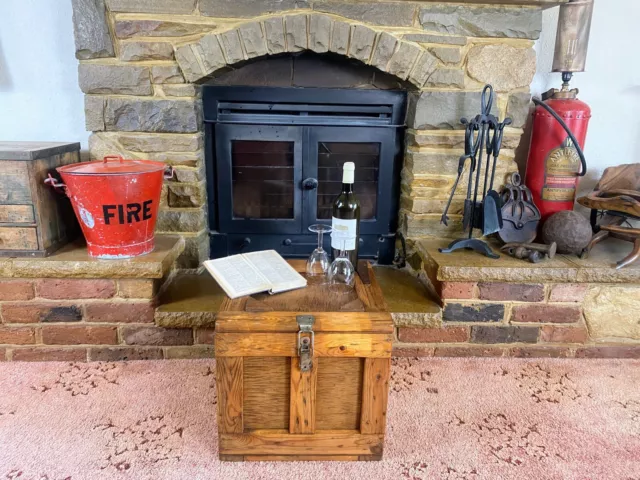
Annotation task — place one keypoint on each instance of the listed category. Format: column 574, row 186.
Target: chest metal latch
column 305, row 341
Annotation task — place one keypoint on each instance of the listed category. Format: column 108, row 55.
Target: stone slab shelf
column 464, row 266
column 533, row 3
column 193, row 300
column 72, row 261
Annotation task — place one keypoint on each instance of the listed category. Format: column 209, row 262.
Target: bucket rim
column 153, row 166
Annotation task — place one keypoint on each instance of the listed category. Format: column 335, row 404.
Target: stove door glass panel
column 331, row 158
column 262, row 179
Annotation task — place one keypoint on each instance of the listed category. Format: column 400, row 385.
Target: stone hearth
column 141, row 64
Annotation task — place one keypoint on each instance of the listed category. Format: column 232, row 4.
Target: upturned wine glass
column 318, row 262
column 341, row 270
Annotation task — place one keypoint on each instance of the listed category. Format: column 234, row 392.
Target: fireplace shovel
column 493, row 201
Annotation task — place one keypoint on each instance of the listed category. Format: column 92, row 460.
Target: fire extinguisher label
column 561, row 169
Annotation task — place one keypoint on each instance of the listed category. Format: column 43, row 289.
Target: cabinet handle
column 310, row 183
column 289, row 243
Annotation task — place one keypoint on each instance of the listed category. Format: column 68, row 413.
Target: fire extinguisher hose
column 583, row 171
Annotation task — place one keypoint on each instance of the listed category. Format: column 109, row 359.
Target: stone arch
column 274, row 35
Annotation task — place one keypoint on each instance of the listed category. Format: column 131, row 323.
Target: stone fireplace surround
column 142, row 61
column 141, row 64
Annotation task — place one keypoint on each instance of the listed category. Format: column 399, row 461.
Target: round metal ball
column 570, row 230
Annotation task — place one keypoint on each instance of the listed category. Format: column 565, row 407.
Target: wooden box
column 35, row 220
column 270, row 408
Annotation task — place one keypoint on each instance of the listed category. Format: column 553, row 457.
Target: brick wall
column 511, row 319
column 90, row 319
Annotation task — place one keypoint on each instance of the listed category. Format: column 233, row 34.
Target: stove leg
column 632, row 257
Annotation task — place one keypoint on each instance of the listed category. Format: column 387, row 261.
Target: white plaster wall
column 610, row 84
column 39, row 94
column 40, row 98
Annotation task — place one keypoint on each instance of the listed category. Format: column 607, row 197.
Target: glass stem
column 319, row 239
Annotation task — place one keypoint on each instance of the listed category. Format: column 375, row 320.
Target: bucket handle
column 112, row 157
column 169, row 173
column 57, row 185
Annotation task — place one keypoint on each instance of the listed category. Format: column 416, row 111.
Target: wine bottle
column 345, row 222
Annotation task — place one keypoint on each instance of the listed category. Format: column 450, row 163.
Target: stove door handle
column 310, row 183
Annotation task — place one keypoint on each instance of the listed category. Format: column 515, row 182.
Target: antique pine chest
column 34, row 219
column 304, row 375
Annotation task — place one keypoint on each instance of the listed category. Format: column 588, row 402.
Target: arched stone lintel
column 305, row 31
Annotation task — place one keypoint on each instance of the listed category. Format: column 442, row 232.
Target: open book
column 254, row 272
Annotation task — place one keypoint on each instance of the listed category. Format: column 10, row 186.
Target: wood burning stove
column 274, row 161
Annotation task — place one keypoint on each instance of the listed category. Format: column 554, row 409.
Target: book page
column 237, row 276
column 276, row 270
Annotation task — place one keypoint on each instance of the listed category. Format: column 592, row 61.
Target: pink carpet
column 448, row 419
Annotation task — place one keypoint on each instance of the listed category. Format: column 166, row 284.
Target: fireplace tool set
column 483, row 136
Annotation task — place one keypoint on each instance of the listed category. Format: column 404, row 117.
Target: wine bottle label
column 343, row 233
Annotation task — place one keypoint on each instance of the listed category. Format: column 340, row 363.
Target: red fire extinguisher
column 556, row 161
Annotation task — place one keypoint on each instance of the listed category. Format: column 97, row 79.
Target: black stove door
column 259, row 173
column 371, row 149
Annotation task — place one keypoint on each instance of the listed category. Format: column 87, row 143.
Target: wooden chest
column 34, row 219
column 304, row 375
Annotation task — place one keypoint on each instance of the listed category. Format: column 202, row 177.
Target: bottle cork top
column 347, row 172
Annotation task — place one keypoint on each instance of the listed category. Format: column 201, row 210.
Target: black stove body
column 274, row 161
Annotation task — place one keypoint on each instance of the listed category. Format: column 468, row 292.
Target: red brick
column 197, row 351
column 568, row 292
column 45, row 354
column 79, row 335
column 518, row 292
column 556, row 334
column 535, row 351
column 17, row 335
column 546, row 314
column 114, row 354
column 3, row 354
column 16, row 290
column 60, row 289
column 137, row 288
column 609, row 351
column 411, row 351
column 457, row 290
column 205, row 336
column 468, row 351
column 120, row 312
column 34, row 312
column 433, row 335
column 157, row 336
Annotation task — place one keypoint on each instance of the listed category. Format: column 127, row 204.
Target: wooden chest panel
column 18, row 214
column 270, row 409
column 25, row 200
column 18, row 238
column 14, row 183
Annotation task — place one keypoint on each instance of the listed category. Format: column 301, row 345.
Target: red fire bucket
column 116, row 202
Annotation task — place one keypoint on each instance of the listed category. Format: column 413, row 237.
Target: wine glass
column 341, row 270
column 318, row 262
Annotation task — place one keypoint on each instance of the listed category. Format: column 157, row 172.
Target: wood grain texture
column 230, row 396
column 14, row 183
column 370, row 293
column 376, row 345
column 280, row 442
column 361, row 322
column 315, row 298
column 339, row 393
column 18, row 238
column 375, row 389
column 302, row 458
column 302, row 410
column 267, row 381
column 17, row 214
column 231, row 458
